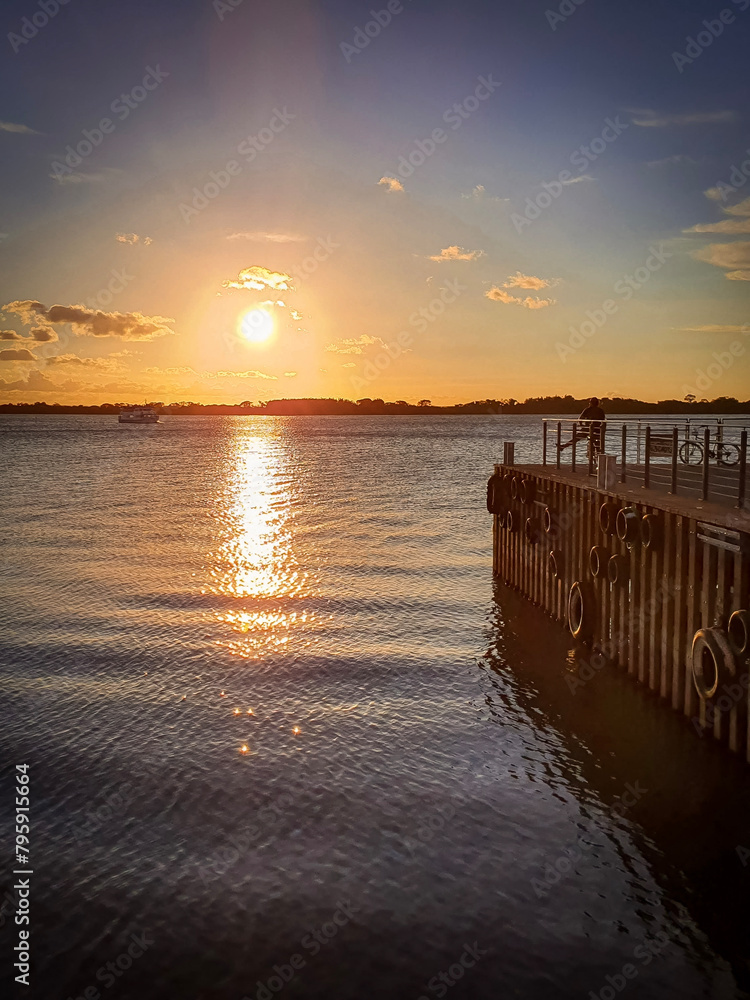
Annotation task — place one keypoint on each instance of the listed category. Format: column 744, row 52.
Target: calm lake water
column 419, row 785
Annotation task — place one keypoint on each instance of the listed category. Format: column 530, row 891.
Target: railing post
column 574, row 446
column 624, row 473
column 509, row 453
column 590, row 449
column 743, row 469
column 647, row 460
column 706, row 450
column 544, row 443
column 559, row 441
column 675, row 438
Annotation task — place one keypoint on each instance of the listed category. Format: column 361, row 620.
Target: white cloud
column 519, row 280
column 265, row 237
column 479, row 193
column 257, row 278
column 354, row 345
column 247, row 374
column 79, row 177
column 393, row 185
column 21, row 129
column 672, row 160
column 457, row 253
column 734, row 258
column 714, row 328
column 648, row 118
column 499, row 295
column 133, row 238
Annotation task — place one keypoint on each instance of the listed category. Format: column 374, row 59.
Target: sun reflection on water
column 254, row 561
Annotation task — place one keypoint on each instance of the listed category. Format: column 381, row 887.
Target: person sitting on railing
column 594, row 416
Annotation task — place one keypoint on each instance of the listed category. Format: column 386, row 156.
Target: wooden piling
column 693, row 576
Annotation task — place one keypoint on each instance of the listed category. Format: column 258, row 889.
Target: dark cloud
column 43, row 334
column 17, row 355
column 10, row 335
column 38, row 382
column 27, row 309
column 94, row 322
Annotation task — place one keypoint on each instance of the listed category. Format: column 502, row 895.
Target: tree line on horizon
column 342, row 407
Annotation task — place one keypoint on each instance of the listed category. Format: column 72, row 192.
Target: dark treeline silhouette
column 343, row 407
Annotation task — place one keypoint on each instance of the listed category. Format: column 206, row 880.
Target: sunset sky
column 272, row 207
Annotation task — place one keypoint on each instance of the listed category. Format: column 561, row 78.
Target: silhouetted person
column 597, row 416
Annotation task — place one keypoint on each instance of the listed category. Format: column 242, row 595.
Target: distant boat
column 138, row 415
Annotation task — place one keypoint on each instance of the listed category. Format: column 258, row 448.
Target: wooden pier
column 653, row 583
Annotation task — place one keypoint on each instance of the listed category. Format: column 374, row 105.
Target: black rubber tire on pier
column 495, row 493
column 618, row 570
column 608, row 518
column 532, row 531
column 556, row 563
column 549, row 522
column 738, row 633
column 712, row 662
column 652, row 531
column 629, row 525
column 581, row 612
column 598, row 558
column 527, row 491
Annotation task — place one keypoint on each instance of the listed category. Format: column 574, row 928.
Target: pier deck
column 721, row 507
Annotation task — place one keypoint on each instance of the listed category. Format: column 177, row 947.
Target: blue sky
column 496, row 285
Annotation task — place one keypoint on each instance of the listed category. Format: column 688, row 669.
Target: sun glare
column 256, row 326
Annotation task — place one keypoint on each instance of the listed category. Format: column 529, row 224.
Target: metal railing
column 688, row 446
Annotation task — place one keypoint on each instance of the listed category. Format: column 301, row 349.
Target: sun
column 256, row 326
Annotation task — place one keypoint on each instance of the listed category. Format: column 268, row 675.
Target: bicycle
column 692, row 453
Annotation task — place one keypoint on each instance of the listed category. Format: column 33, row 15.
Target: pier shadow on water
column 684, row 798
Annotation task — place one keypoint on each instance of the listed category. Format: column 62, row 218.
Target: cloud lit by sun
column 257, row 278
